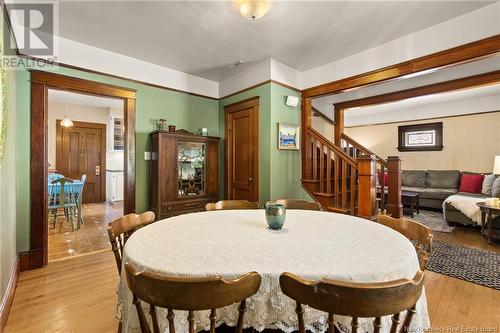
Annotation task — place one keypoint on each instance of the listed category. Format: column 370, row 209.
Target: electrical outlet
column 147, row 155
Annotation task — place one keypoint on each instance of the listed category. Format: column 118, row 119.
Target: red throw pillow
column 471, row 183
column 386, row 178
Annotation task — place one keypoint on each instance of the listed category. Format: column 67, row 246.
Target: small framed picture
column 288, row 136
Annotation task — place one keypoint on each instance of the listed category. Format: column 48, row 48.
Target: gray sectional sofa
column 435, row 186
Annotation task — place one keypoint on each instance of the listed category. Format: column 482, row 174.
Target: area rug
column 466, row 263
column 433, row 220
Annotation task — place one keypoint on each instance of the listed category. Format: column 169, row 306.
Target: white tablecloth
column 312, row 244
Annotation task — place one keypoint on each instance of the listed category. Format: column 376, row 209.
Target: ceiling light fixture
column 66, row 122
column 253, row 9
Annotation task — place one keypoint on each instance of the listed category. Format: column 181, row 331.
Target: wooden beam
column 64, row 82
column 477, row 49
column 475, row 81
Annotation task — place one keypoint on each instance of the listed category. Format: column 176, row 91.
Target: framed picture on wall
column 288, row 136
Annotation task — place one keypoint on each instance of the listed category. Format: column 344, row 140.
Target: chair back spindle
column 419, row 234
column 120, row 230
column 356, row 300
column 189, row 294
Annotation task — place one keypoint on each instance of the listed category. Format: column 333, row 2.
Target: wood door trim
column 84, row 124
column 253, row 103
column 40, row 84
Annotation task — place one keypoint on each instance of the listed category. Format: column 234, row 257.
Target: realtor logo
column 33, row 26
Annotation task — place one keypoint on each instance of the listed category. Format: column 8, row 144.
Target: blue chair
column 63, row 195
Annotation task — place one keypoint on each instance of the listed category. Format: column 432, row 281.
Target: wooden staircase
column 342, row 178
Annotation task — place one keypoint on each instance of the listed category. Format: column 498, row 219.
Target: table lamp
column 496, row 165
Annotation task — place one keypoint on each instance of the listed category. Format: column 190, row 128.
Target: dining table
column 230, row 243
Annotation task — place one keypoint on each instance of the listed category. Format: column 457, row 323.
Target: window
column 422, row 137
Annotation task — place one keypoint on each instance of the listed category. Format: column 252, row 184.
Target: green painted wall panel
column 285, row 164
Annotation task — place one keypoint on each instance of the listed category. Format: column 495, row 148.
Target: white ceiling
column 82, row 99
column 468, row 101
column 325, row 103
column 205, row 37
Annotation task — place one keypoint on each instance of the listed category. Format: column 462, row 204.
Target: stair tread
column 324, row 194
column 339, row 210
column 310, row 180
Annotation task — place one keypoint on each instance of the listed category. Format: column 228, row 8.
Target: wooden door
column 81, row 149
column 242, row 150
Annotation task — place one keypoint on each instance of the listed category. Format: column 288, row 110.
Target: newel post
column 367, row 186
column 394, row 205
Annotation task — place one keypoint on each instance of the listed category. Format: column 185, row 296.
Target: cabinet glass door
column 191, row 168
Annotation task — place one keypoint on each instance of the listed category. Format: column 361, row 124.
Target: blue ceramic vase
column 275, row 215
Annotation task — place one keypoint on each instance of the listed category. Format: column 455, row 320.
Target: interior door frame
column 41, row 82
column 253, row 103
column 86, row 124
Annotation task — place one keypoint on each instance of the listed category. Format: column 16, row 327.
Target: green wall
column 285, row 164
column 279, row 169
column 8, row 167
column 183, row 110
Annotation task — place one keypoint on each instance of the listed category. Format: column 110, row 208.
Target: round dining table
column 230, row 243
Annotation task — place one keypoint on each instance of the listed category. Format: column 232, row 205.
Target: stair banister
column 367, row 186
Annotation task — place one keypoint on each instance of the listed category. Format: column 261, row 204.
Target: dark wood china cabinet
column 184, row 173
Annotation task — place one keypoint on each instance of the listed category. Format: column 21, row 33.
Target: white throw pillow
column 495, row 189
column 488, row 184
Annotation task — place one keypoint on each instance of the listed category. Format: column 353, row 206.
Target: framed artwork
column 288, row 136
column 421, row 137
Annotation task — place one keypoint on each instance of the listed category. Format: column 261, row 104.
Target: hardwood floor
column 79, row 296
column 92, row 235
column 76, row 295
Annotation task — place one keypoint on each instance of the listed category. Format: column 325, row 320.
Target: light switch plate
column 147, row 155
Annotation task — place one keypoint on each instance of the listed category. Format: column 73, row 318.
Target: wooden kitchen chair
column 188, row 294
column 63, row 194
column 298, row 204
column 120, row 230
column 231, row 204
column 417, row 233
column 356, row 300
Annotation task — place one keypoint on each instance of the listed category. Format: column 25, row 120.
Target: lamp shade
column 66, row 122
column 496, row 165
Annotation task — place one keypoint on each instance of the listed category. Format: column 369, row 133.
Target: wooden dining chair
column 120, row 230
column 419, row 234
column 231, row 204
column 188, row 294
column 356, row 300
column 298, row 204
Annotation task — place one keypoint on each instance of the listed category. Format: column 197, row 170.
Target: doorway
column 43, row 160
column 81, row 150
column 242, row 150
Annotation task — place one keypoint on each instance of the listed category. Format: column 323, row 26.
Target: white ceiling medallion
column 253, row 9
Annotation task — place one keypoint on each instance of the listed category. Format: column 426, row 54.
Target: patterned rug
column 474, row 265
column 433, row 220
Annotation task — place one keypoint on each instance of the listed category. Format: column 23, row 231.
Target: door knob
column 97, row 170
column 250, row 179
